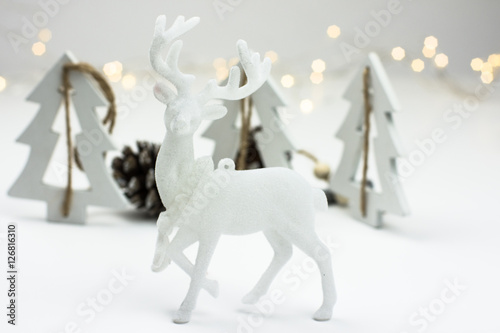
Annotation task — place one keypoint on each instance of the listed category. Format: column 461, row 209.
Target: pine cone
column 135, row 174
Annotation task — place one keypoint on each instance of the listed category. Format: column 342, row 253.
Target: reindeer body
column 206, row 202
column 257, row 205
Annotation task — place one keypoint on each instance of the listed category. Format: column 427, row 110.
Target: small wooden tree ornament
column 273, row 141
column 91, row 144
column 371, row 96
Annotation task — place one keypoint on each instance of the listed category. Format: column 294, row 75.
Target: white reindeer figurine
column 205, row 203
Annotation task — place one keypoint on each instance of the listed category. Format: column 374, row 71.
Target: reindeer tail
column 319, row 198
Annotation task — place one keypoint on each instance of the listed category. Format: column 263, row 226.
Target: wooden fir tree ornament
column 206, row 202
column 90, row 145
column 372, row 100
column 273, row 142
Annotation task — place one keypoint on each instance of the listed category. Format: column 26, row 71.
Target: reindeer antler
column 255, row 70
column 169, row 68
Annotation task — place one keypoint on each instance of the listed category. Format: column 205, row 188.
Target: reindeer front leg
column 174, row 251
column 205, row 251
column 165, row 226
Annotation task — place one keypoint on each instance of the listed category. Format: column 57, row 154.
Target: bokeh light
column 417, row 65
column 476, row 64
column 486, row 67
column 112, row 68
column 233, row 62
column 272, row 55
column 287, row 81
column 333, row 31
column 494, row 60
column 431, row 42
column 316, row 77
column 487, row 77
column 318, row 66
column 45, row 35
column 3, row 83
column 441, row 60
column 428, row 52
column 129, row 81
column 219, row 63
column 222, row 73
column 38, row 48
column 398, row 53
column 306, row 106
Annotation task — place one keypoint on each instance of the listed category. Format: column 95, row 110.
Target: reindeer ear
column 213, row 111
column 163, row 93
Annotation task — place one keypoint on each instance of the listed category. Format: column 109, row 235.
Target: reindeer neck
column 178, row 150
column 173, row 164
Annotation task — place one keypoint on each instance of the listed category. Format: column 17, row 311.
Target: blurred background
column 299, row 32
column 442, row 46
column 443, row 59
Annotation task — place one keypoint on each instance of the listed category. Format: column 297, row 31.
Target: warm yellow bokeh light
column 272, row 55
column 494, row 60
column 417, row 65
column 486, row 67
column 109, row 68
column 38, row 48
column 222, row 73
column 318, row 66
column 287, row 81
column 333, row 31
column 219, row 63
column 441, row 60
column 233, row 62
column 431, row 42
column 45, row 35
column 487, row 77
column 398, row 53
column 476, row 64
column 114, row 69
column 428, row 52
column 119, row 66
column 116, row 77
column 128, row 81
column 3, row 83
column 316, row 77
column 306, row 106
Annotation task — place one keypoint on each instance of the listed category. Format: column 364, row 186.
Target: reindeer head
column 185, row 111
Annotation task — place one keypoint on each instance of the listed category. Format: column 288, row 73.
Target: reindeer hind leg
column 309, row 242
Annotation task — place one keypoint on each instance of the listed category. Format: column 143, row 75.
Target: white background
column 383, row 276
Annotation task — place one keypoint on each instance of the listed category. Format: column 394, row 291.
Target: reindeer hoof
column 212, row 287
column 323, row 314
column 159, row 266
column 250, row 298
column 182, row 316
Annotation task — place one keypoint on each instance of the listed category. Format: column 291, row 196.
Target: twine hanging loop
column 246, row 106
column 109, row 118
column 366, row 137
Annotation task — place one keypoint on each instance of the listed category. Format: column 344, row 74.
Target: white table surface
column 384, row 276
